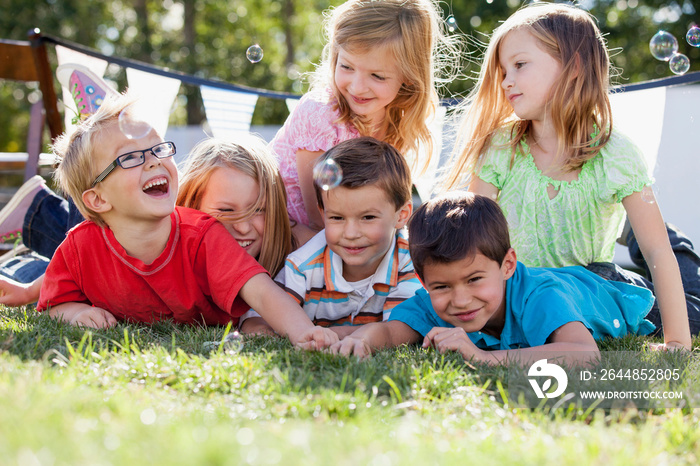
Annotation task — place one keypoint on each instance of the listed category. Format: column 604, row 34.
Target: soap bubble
column 133, row 121
column 327, row 174
column 254, row 53
column 679, row 63
column 663, row 45
column 232, row 343
column 648, row 195
column 693, row 36
column 451, row 24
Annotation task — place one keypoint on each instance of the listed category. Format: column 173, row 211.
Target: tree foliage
column 209, row 38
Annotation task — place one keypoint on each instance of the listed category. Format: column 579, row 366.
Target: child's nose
column 351, row 230
column 152, row 160
column 461, row 298
column 507, row 82
column 242, row 226
column 359, row 84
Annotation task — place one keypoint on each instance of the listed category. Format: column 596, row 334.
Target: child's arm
column 256, row 326
column 571, row 343
column 13, row 293
column 83, row 314
column 652, row 236
column 377, row 335
column 285, row 316
column 479, row 186
column 305, row 166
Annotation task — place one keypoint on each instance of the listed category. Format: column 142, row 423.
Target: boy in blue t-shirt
column 478, row 300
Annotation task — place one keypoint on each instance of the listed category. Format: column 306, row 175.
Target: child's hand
column 316, row 338
column 451, row 339
column 670, row 346
column 13, row 293
column 350, row 345
column 93, row 317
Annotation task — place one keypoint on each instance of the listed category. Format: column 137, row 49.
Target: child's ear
column 94, row 201
column 404, row 214
column 510, row 262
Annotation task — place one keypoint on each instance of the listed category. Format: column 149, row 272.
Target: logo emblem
column 542, row 368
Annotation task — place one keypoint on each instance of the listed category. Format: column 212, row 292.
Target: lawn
column 161, row 395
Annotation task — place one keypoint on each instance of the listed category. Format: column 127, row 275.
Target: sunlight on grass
column 155, row 395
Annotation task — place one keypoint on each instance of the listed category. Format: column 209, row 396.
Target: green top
column 581, row 223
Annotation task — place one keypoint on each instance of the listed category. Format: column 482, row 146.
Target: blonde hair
column 413, row 32
column 250, row 156
column 75, row 152
column 578, row 103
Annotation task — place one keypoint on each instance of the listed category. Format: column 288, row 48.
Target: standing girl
column 537, row 134
column 377, row 78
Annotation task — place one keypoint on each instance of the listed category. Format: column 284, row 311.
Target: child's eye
column 369, row 217
column 474, row 279
column 519, row 65
column 335, row 218
column 344, row 67
column 379, row 78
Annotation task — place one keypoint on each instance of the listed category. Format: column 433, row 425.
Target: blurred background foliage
column 209, row 38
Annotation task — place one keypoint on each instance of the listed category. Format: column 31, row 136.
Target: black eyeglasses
column 138, row 157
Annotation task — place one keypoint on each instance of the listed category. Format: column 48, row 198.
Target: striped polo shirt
column 313, row 276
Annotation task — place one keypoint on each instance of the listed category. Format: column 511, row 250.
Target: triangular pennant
column 156, row 93
column 228, row 112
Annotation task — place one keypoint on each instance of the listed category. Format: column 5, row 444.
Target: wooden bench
column 27, row 61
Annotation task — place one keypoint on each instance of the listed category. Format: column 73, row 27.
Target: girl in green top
column 537, row 135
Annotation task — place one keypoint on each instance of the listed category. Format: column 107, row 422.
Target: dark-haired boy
column 479, row 301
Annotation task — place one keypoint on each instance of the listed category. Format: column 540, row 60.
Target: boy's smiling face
column 360, row 224
column 143, row 193
column 470, row 293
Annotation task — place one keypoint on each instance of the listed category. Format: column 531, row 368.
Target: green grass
column 154, row 395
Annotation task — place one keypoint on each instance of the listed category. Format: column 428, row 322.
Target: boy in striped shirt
column 358, row 268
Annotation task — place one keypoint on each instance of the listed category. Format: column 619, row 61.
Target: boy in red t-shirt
column 139, row 258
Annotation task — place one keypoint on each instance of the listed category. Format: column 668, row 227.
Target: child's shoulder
column 311, row 252
column 193, row 222
column 315, row 101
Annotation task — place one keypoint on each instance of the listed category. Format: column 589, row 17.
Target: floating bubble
column 648, row 195
column 327, row 174
column 232, row 343
column 133, row 121
column 679, row 63
column 693, row 36
column 663, row 45
column 254, row 53
column 451, row 24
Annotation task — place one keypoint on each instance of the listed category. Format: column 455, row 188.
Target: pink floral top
column 312, row 126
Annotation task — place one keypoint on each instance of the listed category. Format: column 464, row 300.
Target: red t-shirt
column 195, row 279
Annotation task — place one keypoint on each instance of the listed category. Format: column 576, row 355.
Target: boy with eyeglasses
column 139, row 258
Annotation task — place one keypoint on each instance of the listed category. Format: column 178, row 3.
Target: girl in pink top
column 377, row 78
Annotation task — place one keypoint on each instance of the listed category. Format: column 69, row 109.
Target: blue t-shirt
column 540, row 300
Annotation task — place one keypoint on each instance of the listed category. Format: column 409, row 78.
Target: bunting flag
column 98, row 66
column 640, row 116
column 228, row 112
column 291, row 104
column 155, row 93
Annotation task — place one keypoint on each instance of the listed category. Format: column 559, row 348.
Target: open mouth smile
column 156, row 186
